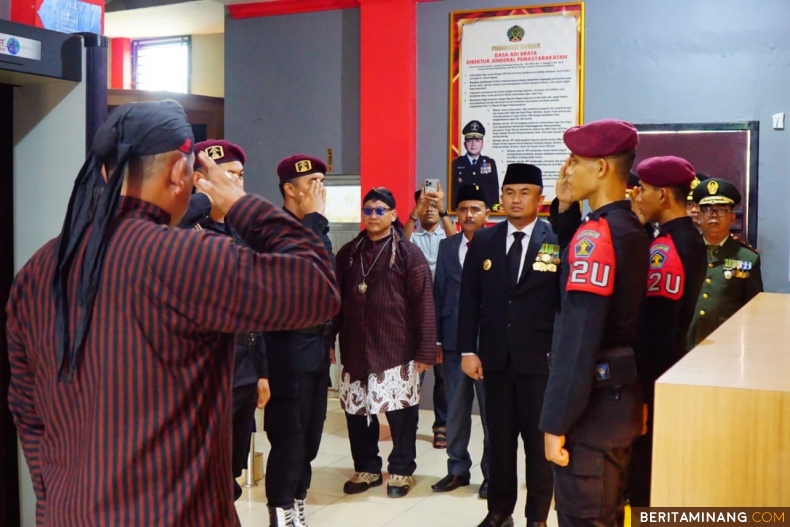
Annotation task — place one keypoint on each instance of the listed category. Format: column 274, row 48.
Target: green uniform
column 721, row 297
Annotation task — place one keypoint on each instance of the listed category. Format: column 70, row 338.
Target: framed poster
column 719, row 150
column 516, row 85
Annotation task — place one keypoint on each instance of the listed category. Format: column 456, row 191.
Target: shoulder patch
column 666, row 276
column 592, row 259
column 742, row 242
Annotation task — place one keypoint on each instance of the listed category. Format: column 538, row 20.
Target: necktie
column 713, row 249
column 474, row 162
column 514, row 258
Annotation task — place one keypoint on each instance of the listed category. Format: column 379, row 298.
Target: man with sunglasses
column 734, row 276
column 387, row 338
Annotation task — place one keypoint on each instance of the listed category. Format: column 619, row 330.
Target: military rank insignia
column 548, row 258
column 736, row 268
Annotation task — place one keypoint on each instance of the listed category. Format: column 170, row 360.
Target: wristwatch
column 443, row 214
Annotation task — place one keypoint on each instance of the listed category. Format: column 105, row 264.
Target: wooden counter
column 722, row 418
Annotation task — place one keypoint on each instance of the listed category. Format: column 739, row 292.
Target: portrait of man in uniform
column 473, row 168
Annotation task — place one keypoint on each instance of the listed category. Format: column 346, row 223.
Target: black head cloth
column 131, row 130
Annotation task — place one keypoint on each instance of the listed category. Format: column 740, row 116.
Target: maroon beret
column 220, row 151
column 666, row 171
column 298, row 166
column 604, row 138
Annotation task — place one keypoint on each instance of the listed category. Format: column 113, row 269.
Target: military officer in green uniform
column 473, row 168
column 733, row 276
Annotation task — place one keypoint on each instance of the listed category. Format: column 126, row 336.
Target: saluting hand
column 472, row 366
column 314, row 200
column 562, row 189
column 555, row 451
column 218, row 185
column 264, row 393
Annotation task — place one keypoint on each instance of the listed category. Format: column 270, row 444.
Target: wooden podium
column 722, row 415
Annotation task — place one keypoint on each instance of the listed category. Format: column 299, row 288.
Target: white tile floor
column 327, row 506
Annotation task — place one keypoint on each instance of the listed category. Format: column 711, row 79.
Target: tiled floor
column 327, row 506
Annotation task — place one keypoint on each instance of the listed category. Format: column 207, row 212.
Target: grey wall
column 657, row 61
column 292, row 85
column 5, row 9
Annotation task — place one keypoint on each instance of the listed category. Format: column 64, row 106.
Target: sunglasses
column 380, row 211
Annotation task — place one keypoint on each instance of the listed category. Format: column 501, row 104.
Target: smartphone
column 431, row 184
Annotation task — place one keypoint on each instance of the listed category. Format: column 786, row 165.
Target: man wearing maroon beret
column 251, row 372
column 677, row 266
column 592, row 409
column 299, row 364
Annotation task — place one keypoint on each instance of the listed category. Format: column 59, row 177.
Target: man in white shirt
column 510, row 294
column 473, row 212
column 434, row 226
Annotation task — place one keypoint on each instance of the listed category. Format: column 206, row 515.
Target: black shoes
column 497, row 520
column 483, row 492
column 449, row 483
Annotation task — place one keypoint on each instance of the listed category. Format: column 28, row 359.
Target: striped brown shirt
column 141, row 436
column 393, row 322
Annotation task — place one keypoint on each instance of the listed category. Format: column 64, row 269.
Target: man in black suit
column 473, row 167
column 473, row 213
column 510, row 295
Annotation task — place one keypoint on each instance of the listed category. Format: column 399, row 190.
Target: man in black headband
column 121, row 361
column 387, row 338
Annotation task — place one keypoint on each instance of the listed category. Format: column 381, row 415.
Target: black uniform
column 676, row 273
column 483, row 173
column 593, row 397
column 250, row 362
column 294, row 418
column 514, row 326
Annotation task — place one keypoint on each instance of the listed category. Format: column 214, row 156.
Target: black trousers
column 589, row 490
column 245, row 400
column 513, row 405
column 641, row 467
column 294, row 425
column 364, row 441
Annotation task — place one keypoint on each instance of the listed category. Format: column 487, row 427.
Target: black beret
column 471, row 193
column 633, row 180
column 522, row 173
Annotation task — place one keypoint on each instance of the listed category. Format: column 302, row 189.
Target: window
column 162, row 64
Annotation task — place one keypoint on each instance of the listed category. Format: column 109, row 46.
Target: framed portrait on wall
column 516, row 85
column 719, row 150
